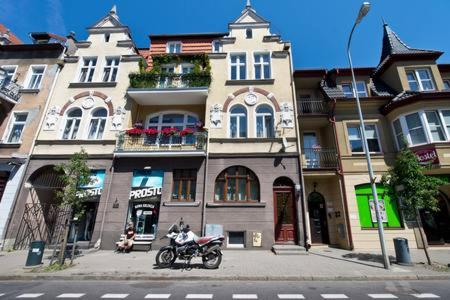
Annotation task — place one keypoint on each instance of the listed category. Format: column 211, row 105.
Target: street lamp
column 365, row 7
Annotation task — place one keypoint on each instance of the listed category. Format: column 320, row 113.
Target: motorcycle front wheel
column 212, row 260
column 165, row 258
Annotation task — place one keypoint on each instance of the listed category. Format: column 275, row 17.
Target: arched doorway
column 437, row 224
column 318, row 218
column 285, row 213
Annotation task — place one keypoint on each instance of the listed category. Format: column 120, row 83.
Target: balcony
column 169, row 88
column 313, row 107
column 319, row 158
column 160, row 145
column 10, row 91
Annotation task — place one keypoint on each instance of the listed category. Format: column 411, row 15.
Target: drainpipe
column 107, row 202
column 205, row 185
column 342, row 188
column 41, row 122
column 303, row 204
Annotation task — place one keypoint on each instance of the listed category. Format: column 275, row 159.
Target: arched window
column 97, row 125
column 73, row 119
column 179, row 121
column 236, row 184
column 264, row 122
column 238, row 122
column 248, row 33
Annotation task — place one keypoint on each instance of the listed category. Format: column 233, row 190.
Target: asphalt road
column 224, row 290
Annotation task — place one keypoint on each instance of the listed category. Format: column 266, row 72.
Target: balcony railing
column 160, row 142
column 169, row 80
column 319, row 158
column 10, row 90
column 312, row 107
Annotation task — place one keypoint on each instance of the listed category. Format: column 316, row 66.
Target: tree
column 413, row 189
column 74, row 175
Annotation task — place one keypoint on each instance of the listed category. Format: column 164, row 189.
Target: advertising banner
column 95, row 187
column 146, row 185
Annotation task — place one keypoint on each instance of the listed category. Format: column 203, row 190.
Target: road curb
column 133, row 277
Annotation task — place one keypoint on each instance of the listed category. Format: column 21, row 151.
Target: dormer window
column 420, row 80
column 446, row 84
column 107, row 36
column 173, row 47
column 249, row 33
column 360, row 89
column 216, row 46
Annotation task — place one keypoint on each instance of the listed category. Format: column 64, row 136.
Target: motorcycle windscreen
column 144, row 215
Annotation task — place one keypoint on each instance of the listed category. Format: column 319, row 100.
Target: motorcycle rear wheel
column 165, row 258
column 212, row 260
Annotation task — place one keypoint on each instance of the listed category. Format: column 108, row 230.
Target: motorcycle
column 185, row 245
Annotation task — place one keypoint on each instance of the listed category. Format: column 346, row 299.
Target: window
column 184, row 182
column 355, row 138
column 107, row 36
column 399, row 134
column 87, row 69
column 435, row 126
column 360, row 88
column 238, row 122
column 262, row 66
column 166, row 80
column 264, row 122
column 248, row 33
column 10, row 72
column 111, row 69
column 174, row 47
column 446, row 84
column 72, row 125
column 238, row 66
column 17, row 124
column 415, row 129
column 97, row 125
column 216, row 46
column 35, row 77
column 420, row 80
column 446, row 118
column 187, row 68
column 236, row 184
column 179, row 121
column 236, row 239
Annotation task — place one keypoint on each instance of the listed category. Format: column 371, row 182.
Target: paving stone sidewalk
column 321, row 263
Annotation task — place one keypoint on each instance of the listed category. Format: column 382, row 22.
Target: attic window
column 249, row 33
column 173, row 47
column 107, row 35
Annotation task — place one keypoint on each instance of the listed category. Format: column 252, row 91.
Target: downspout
column 205, row 185
column 33, row 143
column 303, row 205
column 108, row 194
column 340, row 172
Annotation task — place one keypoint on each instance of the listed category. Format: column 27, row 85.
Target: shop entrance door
column 437, row 224
column 285, row 215
column 318, row 218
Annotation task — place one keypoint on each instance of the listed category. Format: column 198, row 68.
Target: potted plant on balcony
column 151, row 135
column 171, row 131
column 187, row 132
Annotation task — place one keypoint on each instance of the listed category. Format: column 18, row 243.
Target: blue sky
column 318, row 29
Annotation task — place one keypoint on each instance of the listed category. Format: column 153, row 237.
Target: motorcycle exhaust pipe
column 212, row 249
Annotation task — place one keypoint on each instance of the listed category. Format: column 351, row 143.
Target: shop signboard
column 427, row 156
column 95, row 186
column 145, row 197
column 373, row 213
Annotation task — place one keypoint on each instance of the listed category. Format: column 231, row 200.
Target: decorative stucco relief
column 287, row 115
column 52, row 118
column 216, row 116
column 117, row 118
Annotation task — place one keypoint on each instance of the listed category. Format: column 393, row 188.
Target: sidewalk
column 320, row 264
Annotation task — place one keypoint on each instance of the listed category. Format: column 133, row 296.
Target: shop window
column 184, row 183
column 236, row 239
column 236, row 184
column 366, row 207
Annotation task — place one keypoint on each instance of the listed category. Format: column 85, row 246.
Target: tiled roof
column 14, row 39
column 379, row 88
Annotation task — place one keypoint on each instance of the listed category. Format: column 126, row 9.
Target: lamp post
column 365, row 7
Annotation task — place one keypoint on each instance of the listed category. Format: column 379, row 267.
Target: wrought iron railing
column 319, row 158
column 10, row 89
column 311, row 107
column 160, row 142
column 169, row 80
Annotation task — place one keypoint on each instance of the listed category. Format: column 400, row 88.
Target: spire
column 249, row 4
column 113, row 10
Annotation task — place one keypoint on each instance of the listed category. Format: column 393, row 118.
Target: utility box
column 35, row 253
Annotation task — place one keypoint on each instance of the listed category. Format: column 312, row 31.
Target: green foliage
column 74, row 174
column 407, row 183
column 142, row 65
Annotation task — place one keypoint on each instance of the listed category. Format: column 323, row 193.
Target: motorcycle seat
column 204, row 239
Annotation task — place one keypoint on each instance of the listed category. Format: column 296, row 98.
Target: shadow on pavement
column 378, row 258
column 181, row 266
column 351, row 260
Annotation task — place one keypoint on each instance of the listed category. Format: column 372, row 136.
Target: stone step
column 289, row 250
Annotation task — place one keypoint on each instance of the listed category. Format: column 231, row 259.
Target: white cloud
column 55, row 20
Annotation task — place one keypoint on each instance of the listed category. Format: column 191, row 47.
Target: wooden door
column 285, row 215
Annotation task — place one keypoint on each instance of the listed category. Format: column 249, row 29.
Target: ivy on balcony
column 155, row 78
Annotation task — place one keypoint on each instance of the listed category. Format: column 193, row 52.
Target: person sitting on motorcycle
column 127, row 242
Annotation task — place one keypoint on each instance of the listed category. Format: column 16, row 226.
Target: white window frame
column 112, row 67
column 174, row 43
column 11, row 123
column 419, row 80
column 213, row 49
column 5, row 67
column 238, row 65
column 66, row 114
column 89, row 67
column 355, row 89
column 445, row 80
column 261, row 64
column 186, row 65
column 30, row 75
column 91, row 115
column 160, row 123
column 264, row 122
column 358, row 126
column 425, row 126
column 238, row 123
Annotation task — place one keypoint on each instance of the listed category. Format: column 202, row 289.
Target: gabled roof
column 108, row 21
column 11, row 36
column 249, row 17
